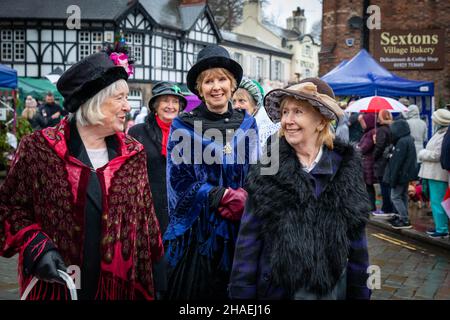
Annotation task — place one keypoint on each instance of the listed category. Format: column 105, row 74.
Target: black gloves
column 47, row 265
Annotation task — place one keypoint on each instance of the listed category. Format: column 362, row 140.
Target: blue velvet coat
column 189, row 181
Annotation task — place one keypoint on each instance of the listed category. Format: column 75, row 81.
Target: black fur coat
column 305, row 240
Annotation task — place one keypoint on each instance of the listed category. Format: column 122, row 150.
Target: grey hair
column 90, row 112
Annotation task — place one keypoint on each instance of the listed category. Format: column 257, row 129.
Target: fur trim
column 313, row 235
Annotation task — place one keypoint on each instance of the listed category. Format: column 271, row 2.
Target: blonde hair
column 30, row 108
column 243, row 93
column 215, row 72
column 90, row 113
column 385, row 117
column 326, row 135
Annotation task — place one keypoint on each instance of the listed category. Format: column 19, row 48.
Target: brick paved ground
column 408, row 270
column 8, row 279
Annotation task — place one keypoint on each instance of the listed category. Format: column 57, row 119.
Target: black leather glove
column 47, row 265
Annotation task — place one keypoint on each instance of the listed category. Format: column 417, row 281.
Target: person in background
column 166, row 103
column 400, row 170
column 382, row 141
column 140, row 118
column 418, row 127
column 342, row 130
column 355, row 131
column 30, row 113
column 249, row 96
column 302, row 236
column 50, row 111
column 436, row 176
column 367, row 147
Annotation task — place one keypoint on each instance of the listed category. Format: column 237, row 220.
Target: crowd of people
column 145, row 213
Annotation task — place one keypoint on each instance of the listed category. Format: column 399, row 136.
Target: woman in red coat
column 78, row 194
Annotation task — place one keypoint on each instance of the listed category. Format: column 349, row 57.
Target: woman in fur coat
column 302, row 235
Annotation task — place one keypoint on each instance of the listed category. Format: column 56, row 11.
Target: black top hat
column 212, row 56
column 86, row 78
column 164, row 88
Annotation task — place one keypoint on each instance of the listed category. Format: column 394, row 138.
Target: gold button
column 108, row 257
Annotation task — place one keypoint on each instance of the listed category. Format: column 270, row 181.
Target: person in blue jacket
column 208, row 156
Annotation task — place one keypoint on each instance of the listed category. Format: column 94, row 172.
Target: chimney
column 297, row 22
column 191, row 2
column 252, row 8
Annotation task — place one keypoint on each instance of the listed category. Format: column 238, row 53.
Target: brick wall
column 398, row 14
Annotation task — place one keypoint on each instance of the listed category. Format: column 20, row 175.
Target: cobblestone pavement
column 408, row 270
column 8, row 279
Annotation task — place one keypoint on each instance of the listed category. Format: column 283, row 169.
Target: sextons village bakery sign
column 410, row 49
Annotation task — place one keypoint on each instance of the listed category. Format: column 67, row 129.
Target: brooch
column 227, row 148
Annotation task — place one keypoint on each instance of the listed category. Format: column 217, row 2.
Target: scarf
column 165, row 128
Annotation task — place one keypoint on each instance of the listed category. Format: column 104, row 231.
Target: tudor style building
column 164, row 36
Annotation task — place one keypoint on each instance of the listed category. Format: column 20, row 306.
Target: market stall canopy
column 54, row 76
column 38, row 88
column 363, row 76
column 8, row 77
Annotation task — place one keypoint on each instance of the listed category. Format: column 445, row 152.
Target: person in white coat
column 417, row 126
column 436, row 176
column 249, row 96
column 141, row 116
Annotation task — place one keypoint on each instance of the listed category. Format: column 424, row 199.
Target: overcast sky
column 282, row 9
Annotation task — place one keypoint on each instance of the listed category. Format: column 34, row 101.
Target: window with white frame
column 12, row 45
column 97, row 37
column 307, row 73
column 259, row 68
column 129, row 38
column 277, row 70
column 307, row 51
column 19, row 51
column 19, row 35
column 168, row 53
column 197, row 49
column 137, row 54
column 96, row 48
column 84, row 50
column 239, row 58
column 134, row 42
column 138, row 38
column 84, row 37
column 7, row 35
column 7, row 52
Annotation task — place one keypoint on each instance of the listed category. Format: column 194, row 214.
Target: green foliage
column 23, row 128
column 4, row 148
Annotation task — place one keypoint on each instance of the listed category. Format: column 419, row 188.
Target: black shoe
column 395, row 218
column 401, row 225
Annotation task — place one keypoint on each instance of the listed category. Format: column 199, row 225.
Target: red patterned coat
column 45, row 193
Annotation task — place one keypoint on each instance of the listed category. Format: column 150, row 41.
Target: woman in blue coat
column 208, row 157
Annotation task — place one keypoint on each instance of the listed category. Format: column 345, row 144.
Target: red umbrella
column 375, row 104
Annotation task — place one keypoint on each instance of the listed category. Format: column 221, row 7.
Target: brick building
column 345, row 32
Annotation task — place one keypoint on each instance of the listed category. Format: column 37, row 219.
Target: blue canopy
column 363, row 76
column 8, row 77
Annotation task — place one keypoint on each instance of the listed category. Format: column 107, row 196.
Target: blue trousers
column 437, row 193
